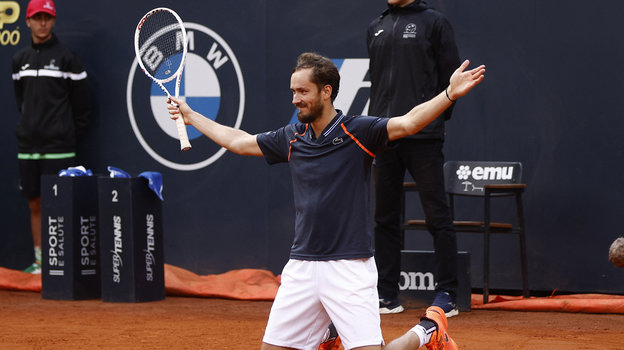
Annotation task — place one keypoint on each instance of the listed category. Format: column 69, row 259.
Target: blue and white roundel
column 201, row 91
column 212, row 84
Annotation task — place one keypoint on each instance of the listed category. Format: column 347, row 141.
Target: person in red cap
column 53, row 100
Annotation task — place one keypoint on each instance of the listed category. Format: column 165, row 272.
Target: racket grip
column 185, row 144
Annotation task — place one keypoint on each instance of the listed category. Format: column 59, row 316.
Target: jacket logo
column 337, row 141
column 24, row 67
column 410, row 31
column 379, row 32
column 51, row 66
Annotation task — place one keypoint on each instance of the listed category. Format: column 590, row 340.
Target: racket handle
column 185, row 144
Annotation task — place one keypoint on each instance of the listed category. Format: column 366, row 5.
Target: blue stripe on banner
column 208, row 106
column 338, row 62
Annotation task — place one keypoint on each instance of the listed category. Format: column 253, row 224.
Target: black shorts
column 30, row 172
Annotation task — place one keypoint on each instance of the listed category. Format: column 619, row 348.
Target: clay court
column 29, row 322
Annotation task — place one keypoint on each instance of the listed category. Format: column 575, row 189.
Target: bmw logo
column 212, row 84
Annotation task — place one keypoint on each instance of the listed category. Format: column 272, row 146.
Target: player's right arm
column 235, row 140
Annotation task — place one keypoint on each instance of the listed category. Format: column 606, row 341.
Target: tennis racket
column 160, row 44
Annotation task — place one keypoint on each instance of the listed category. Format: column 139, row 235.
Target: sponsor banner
column 212, row 84
column 469, row 177
column 10, row 34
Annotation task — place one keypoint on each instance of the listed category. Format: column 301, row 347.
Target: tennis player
column 331, row 274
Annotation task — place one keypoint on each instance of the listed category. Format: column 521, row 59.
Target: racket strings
column 161, row 45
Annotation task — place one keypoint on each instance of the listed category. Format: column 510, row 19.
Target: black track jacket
column 412, row 55
column 52, row 97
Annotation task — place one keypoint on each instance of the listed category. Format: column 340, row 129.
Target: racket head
column 160, row 45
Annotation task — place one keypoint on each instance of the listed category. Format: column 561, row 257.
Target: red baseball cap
column 36, row 6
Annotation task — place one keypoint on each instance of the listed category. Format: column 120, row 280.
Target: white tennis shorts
column 315, row 293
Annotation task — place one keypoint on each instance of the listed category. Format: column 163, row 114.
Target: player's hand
column 463, row 81
column 178, row 109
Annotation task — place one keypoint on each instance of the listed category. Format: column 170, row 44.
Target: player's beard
column 315, row 112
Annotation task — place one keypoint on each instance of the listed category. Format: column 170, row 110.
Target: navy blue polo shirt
column 331, row 175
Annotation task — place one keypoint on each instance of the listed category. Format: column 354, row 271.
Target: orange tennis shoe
column 440, row 339
column 334, row 344
column 331, row 339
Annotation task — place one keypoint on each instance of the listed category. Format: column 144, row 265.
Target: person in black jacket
column 412, row 55
column 53, row 100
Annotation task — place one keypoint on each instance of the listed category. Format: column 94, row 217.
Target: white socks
column 421, row 332
column 37, row 250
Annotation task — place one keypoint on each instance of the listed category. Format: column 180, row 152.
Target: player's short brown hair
column 324, row 71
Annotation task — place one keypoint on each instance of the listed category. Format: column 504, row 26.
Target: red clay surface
column 29, row 322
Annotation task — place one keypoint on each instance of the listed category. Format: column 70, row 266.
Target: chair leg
column 486, row 250
column 523, row 257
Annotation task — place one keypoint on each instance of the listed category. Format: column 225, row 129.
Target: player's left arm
column 461, row 82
